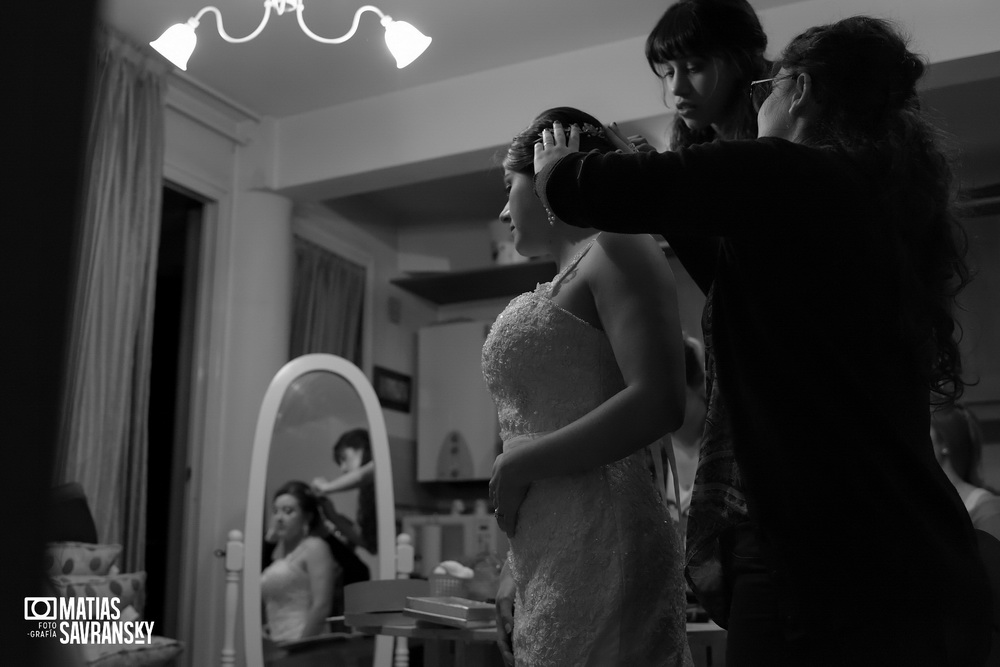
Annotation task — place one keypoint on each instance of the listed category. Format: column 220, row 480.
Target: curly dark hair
column 521, row 153
column 354, row 439
column 864, row 79
column 728, row 29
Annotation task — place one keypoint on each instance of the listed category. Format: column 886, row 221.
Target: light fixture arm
column 404, row 42
column 194, row 22
column 349, row 34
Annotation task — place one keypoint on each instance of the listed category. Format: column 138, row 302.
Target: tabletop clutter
column 456, row 595
column 450, row 611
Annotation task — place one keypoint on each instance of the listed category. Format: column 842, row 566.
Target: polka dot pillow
column 128, row 587
column 80, row 558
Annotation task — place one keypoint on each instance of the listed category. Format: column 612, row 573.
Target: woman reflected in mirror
column 353, row 453
column 297, row 586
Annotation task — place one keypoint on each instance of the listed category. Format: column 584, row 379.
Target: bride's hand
column 556, row 144
column 507, row 492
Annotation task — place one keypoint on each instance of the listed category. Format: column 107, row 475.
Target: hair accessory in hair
column 592, row 131
column 586, row 130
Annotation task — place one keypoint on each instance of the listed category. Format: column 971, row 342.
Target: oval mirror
column 295, row 565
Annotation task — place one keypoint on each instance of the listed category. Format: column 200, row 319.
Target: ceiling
column 283, row 73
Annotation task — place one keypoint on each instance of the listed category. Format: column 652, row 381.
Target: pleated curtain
column 104, row 428
column 327, row 303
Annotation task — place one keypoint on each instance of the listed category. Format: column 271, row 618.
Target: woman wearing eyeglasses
column 830, row 317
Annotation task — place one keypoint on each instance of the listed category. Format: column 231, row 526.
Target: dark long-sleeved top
column 824, row 384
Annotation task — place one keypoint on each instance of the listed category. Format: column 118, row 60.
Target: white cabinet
column 457, row 431
column 440, row 537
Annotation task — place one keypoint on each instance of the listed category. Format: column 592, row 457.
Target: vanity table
column 454, row 647
column 444, row 646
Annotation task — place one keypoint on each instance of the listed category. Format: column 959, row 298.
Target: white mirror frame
column 384, row 501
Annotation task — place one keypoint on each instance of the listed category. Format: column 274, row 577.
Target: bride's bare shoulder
column 630, row 245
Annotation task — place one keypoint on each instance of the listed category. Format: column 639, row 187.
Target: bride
column 586, row 372
column 297, row 587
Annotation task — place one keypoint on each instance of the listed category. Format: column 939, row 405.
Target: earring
column 551, row 216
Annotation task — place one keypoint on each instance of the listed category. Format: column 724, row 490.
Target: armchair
column 79, row 566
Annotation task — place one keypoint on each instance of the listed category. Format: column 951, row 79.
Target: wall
column 241, row 335
column 462, row 245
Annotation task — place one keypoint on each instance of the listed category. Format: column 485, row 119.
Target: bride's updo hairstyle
column 864, row 78
column 304, row 496
column 521, row 154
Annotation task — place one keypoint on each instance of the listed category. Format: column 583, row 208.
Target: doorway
column 168, row 469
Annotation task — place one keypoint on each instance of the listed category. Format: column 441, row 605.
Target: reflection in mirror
column 302, row 577
column 320, row 476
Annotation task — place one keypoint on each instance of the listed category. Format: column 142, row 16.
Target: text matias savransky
column 85, row 620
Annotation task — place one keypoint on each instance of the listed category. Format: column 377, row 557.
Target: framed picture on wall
column 393, row 389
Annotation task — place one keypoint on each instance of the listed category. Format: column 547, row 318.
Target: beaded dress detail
column 595, row 559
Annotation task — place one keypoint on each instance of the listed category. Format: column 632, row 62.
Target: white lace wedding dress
column 595, row 559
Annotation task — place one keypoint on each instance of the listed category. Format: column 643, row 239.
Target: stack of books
column 452, row 611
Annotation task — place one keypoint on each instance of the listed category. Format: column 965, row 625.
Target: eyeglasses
column 760, row 90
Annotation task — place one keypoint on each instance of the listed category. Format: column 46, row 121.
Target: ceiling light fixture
column 405, row 42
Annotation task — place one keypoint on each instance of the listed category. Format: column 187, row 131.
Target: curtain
column 327, row 303
column 103, row 432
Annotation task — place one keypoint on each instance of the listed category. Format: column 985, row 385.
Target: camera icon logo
column 39, row 609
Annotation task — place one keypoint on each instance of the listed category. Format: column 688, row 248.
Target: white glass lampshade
column 177, row 43
column 405, row 42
